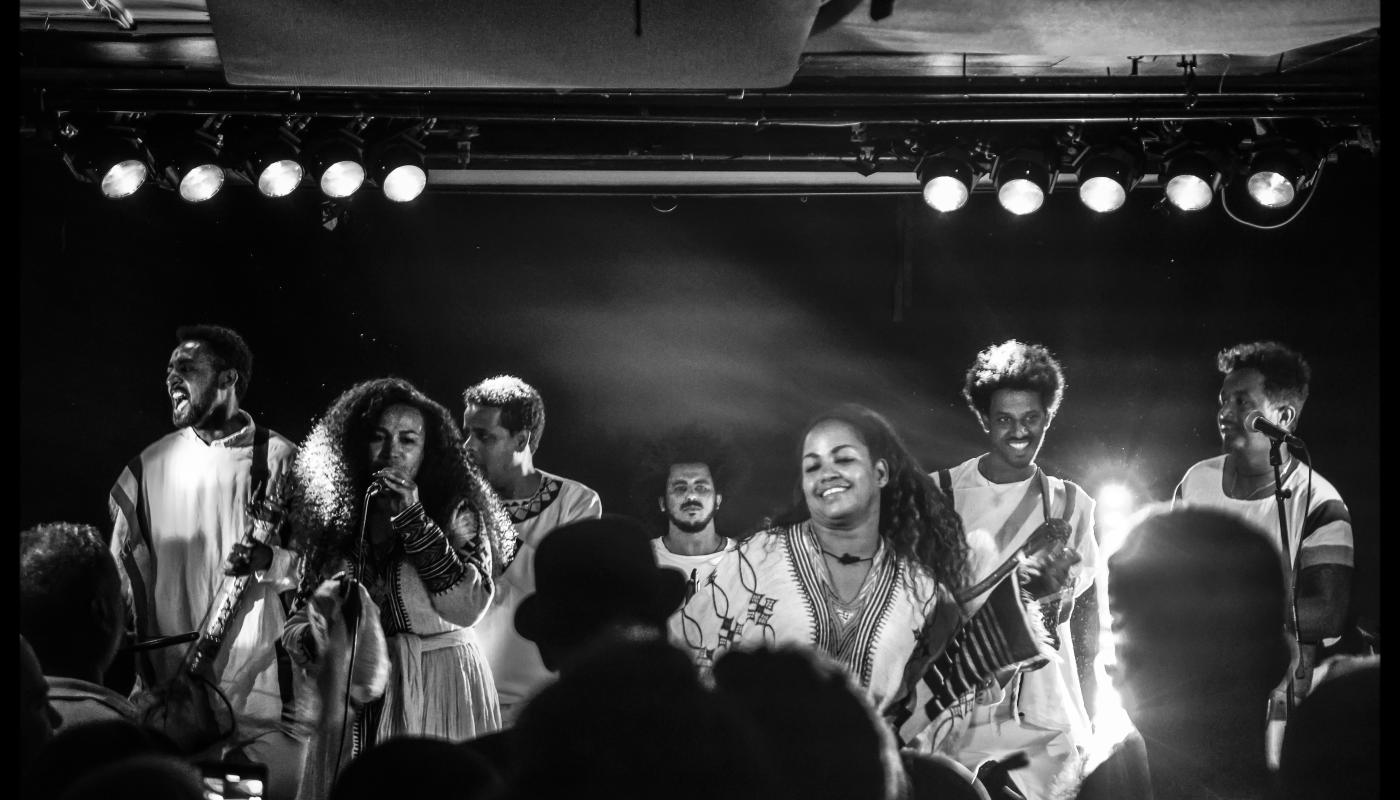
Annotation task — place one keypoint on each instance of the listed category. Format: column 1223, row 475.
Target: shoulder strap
column 258, row 470
column 1071, row 493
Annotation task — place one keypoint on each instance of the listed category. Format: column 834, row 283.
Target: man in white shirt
column 503, row 423
column 181, row 511
column 1270, row 379
column 1007, row 503
column 687, row 469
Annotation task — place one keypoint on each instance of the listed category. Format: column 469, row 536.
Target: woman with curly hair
column 385, row 501
column 865, row 568
column 867, row 551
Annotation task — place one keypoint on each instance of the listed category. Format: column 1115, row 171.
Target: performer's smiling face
column 690, row 500
column 840, row 480
column 194, row 384
column 1015, row 425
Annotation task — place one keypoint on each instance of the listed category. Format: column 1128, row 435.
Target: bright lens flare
column 1189, row 192
column 405, row 183
column 279, row 178
column 945, row 193
column 1102, row 194
column 1020, row 196
column 342, row 179
column 201, row 183
column 123, row 178
column 1271, row 189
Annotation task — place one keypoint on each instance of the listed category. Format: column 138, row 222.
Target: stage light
column 1274, row 175
column 1191, row 180
column 1105, row 178
column 194, row 167
column 273, row 162
column 114, row 159
column 123, row 178
column 947, row 181
column 399, row 171
column 1022, row 182
column 337, row 165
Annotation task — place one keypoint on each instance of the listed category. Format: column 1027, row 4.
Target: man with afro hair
column 1011, row 508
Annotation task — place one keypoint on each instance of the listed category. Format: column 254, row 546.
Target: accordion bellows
column 944, row 669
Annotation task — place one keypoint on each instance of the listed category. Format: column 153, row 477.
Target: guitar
column 190, row 708
column 1045, row 540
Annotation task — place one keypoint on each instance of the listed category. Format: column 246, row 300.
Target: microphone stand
column 1281, row 494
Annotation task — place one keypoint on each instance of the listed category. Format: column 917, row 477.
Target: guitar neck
column 227, row 600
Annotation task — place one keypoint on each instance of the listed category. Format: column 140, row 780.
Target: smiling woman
column 855, row 569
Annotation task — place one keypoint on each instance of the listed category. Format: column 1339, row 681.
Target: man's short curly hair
column 522, row 408
column 1286, row 374
column 1014, row 365
column 226, row 346
column 64, row 568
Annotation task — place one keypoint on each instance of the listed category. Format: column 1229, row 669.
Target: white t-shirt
column 699, row 572
column 1319, row 527
column 1050, row 697
column 515, row 660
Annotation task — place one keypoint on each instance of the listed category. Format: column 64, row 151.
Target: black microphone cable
column 355, row 629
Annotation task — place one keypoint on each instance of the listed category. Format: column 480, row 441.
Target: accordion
column 953, row 658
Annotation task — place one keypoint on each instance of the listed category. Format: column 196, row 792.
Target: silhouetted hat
column 590, row 572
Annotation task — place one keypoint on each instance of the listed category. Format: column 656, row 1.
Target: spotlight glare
column 1102, row 194
column 1270, row 189
column 123, row 178
column 201, row 183
column 1115, row 498
column 342, row 179
column 945, row 193
column 1189, row 192
column 405, row 183
column 279, row 178
column 1191, row 180
column 1020, row 196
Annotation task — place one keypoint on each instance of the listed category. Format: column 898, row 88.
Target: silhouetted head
column 431, row 767
column 1198, row 606
column 631, row 720
column 822, row 735
column 70, row 599
column 591, row 576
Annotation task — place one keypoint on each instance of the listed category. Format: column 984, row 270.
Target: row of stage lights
column 278, row 154
column 275, row 156
column 1275, row 172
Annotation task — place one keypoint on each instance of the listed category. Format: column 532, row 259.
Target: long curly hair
column 332, row 473
column 916, row 518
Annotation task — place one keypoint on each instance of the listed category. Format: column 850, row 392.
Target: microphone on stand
column 1278, row 433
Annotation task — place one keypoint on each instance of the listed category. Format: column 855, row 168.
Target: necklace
column 846, row 559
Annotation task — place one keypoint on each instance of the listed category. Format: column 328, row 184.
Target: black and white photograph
column 672, row 399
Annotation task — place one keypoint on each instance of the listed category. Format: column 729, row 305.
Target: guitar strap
column 261, row 474
column 1013, row 524
column 258, row 471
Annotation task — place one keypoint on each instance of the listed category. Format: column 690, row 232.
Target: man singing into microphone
column 1268, row 381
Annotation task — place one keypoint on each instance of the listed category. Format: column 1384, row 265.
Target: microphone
column 376, row 486
column 1259, row 422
